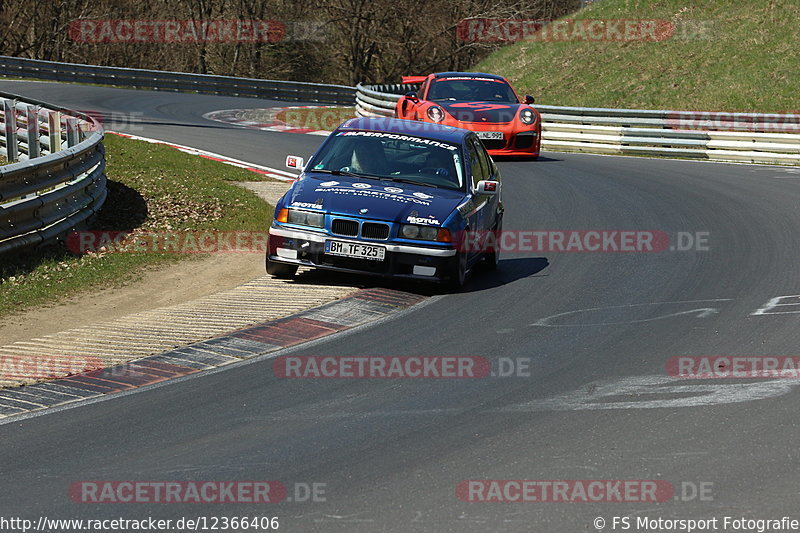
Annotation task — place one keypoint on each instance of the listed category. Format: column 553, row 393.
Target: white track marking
column 777, row 302
column 650, row 392
column 702, row 312
column 272, row 172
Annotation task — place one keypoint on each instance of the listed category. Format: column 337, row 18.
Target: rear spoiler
column 414, row 79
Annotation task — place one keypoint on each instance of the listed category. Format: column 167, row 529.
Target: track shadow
column 508, row 271
column 520, row 159
column 343, row 279
column 137, row 126
column 124, row 210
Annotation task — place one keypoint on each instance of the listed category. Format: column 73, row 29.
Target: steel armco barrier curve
column 55, row 180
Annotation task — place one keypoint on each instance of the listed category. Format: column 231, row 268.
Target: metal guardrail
column 55, row 180
column 379, row 100
column 160, row 80
column 636, row 132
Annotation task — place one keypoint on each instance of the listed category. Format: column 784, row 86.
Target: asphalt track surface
column 392, row 452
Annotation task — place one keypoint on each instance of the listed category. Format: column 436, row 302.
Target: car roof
column 425, row 130
column 469, row 75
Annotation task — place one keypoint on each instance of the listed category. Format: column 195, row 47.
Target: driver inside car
column 440, row 161
column 488, row 93
column 368, row 158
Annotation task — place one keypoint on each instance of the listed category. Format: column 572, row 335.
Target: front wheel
column 458, row 272
column 280, row 270
column 492, row 258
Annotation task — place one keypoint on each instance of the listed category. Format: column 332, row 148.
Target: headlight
column 409, row 231
column 435, row 113
column 306, row 218
column 424, row 233
column 527, row 116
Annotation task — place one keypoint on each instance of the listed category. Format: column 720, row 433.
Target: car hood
column 382, row 200
column 484, row 112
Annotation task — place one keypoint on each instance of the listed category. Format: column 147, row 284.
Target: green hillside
column 724, row 55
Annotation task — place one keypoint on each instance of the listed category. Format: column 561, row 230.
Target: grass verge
column 722, row 56
column 152, row 188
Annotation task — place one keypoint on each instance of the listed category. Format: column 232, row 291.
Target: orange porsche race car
column 483, row 103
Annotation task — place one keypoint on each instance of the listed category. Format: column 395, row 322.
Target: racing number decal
column 477, row 106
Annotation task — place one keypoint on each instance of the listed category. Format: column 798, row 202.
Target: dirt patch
column 161, row 287
column 178, row 283
column 270, row 191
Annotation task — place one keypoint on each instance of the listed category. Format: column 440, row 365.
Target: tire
column 491, row 259
column 458, row 272
column 458, row 275
column 280, row 270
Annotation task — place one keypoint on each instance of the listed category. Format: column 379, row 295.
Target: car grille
column 341, row 226
column 524, row 139
column 373, row 230
column 494, row 144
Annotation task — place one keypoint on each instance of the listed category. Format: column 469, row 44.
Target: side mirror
column 488, row 187
column 292, row 161
column 412, row 96
column 529, row 99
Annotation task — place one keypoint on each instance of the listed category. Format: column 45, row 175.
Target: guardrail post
column 10, row 114
column 73, row 133
column 54, row 125
column 51, row 195
column 32, row 116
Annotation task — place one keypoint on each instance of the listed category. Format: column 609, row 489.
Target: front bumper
column 517, row 140
column 520, row 143
column 307, row 248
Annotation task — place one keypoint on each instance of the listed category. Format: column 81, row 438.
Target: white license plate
column 356, row 250
column 493, row 135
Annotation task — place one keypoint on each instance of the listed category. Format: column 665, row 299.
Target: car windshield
column 390, row 156
column 471, row 89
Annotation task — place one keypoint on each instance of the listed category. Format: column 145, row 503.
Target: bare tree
column 359, row 40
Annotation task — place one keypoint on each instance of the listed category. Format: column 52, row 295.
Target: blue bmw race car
column 389, row 197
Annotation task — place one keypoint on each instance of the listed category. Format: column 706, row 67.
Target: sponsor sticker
column 430, row 221
column 399, row 137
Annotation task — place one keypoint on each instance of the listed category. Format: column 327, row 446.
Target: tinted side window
column 486, row 162
column 474, row 162
column 479, row 162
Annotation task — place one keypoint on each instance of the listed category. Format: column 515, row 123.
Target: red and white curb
column 270, row 121
column 366, row 305
column 252, row 167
